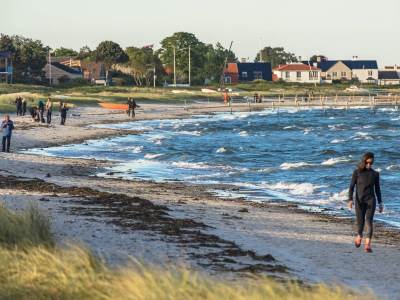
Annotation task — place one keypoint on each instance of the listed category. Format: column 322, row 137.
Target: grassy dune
column 32, row 268
column 91, row 95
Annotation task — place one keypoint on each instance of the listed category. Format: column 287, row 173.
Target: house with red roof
column 297, row 72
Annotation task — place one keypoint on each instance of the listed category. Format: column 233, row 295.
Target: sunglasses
column 369, row 163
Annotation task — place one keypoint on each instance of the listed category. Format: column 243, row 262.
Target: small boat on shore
column 116, row 106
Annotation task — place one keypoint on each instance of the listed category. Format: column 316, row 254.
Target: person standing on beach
column 23, row 106
column 41, row 110
column 133, row 106
column 365, row 180
column 18, row 105
column 49, row 110
column 7, row 127
column 63, row 113
column 129, row 102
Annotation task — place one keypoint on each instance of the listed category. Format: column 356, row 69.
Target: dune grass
column 23, row 229
column 32, row 268
column 75, row 274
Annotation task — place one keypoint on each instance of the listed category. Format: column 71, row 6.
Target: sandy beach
column 176, row 223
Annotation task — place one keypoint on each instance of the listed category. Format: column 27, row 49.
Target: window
column 244, row 74
column 334, row 74
column 370, row 73
column 344, row 74
column 228, row 79
column 287, row 74
column 313, row 75
column 298, row 75
column 257, row 75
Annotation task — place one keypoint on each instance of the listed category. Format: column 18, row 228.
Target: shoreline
column 260, row 238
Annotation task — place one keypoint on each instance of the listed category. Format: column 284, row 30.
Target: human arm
column 378, row 192
column 351, row 188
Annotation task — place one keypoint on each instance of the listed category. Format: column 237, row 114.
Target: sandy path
column 313, row 247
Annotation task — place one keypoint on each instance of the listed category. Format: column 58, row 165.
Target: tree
column 215, row 59
column 110, row 53
column 86, row 53
column 143, row 62
column 277, row 56
column 181, row 42
column 318, row 58
column 28, row 56
column 60, row 52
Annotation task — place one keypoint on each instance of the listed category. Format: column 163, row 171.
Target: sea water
column 301, row 156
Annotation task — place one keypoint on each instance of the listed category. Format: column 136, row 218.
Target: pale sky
column 339, row 29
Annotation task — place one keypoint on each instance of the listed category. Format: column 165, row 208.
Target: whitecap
column 194, row 133
column 337, row 141
column 137, row 149
column 221, row 150
column 288, row 166
column 243, row 133
column 298, row 189
column 393, row 168
column 335, row 160
column 151, row 156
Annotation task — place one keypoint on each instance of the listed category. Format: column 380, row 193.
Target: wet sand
column 184, row 224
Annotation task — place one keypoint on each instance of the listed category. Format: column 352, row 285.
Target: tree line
column 206, row 60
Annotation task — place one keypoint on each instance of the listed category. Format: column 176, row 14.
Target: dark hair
column 365, row 157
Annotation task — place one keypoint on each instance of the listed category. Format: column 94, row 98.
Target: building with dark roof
column 389, row 78
column 244, row 72
column 363, row 70
column 59, row 73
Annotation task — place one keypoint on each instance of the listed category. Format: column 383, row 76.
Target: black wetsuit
column 368, row 191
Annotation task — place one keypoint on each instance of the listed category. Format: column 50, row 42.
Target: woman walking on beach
column 368, row 191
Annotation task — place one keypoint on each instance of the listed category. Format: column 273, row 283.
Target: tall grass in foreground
column 25, row 228
column 74, row 274
column 31, row 269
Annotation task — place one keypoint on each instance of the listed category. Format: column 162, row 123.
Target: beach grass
column 74, row 273
column 92, row 95
column 25, row 228
column 31, row 267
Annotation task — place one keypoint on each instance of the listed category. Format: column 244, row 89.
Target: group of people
column 131, row 107
column 39, row 111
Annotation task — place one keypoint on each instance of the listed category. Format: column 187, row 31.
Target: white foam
column 194, row 133
column 221, row 150
column 243, row 133
column 393, row 167
column 151, row 156
column 298, row 189
column 337, row 141
column 334, row 161
column 188, row 165
column 297, row 165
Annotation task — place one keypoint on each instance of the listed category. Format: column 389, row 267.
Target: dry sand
column 184, row 224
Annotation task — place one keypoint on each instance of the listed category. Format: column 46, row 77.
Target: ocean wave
column 335, row 160
column 152, row 156
column 297, row 165
column 243, row 133
column 221, row 150
column 393, row 168
column 297, row 189
column 137, row 149
column 194, row 133
column 337, row 141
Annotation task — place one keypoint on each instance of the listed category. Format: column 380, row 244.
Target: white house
column 365, row 71
column 297, row 73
